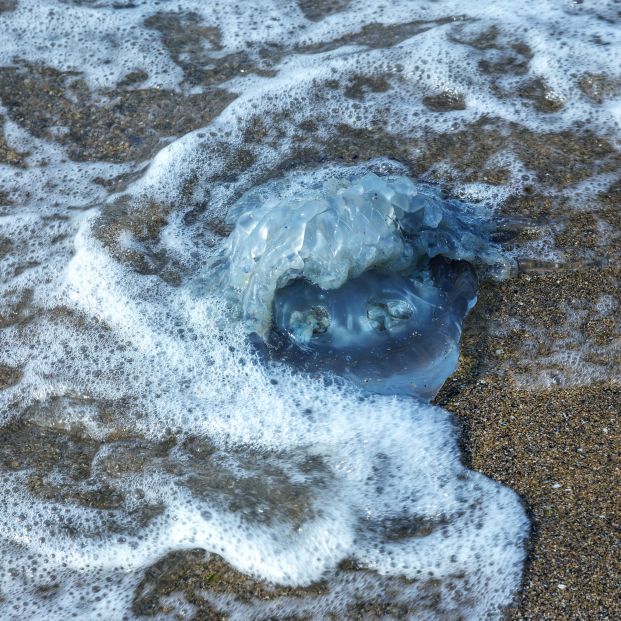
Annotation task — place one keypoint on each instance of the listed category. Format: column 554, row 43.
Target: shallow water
column 141, row 419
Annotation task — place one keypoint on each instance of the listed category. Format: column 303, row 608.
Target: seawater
column 138, row 416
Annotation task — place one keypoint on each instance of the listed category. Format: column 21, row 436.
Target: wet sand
column 560, row 449
column 559, row 446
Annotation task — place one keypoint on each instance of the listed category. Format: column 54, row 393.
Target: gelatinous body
column 391, row 333
column 370, row 279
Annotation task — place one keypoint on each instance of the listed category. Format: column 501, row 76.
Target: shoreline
column 535, row 399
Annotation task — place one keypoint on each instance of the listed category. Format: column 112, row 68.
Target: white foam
column 95, row 332
column 407, row 449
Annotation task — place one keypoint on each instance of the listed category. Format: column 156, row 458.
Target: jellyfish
column 370, row 279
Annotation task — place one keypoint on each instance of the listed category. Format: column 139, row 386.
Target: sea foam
column 149, row 420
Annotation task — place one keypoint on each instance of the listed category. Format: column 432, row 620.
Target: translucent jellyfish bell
column 368, row 278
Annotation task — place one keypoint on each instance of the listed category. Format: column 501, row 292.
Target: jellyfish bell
column 367, row 278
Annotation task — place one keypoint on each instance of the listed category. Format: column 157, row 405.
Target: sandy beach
column 109, row 418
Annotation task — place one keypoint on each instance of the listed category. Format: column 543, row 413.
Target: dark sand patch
column 7, row 154
column 116, row 126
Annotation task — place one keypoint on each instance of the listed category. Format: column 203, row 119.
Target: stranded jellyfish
column 368, row 278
